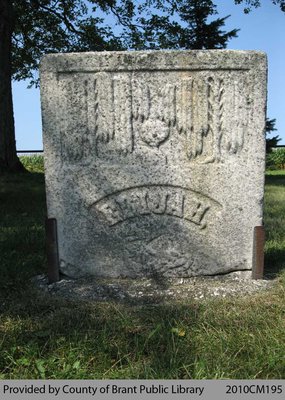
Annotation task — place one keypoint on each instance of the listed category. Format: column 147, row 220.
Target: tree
column 269, row 128
column 8, row 155
column 257, row 3
column 181, row 24
column 199, row 33
column 30, row 28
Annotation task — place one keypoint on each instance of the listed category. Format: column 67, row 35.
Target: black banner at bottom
column 141, row 389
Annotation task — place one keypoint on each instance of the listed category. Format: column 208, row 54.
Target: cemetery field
column 52, row 338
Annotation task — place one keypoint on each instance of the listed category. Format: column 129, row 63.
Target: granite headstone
column 154, row 160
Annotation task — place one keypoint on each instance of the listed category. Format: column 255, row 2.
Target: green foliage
column 51, row 26
column 180, row 24
column 257, row 3
column 270, row 125
column 276, row 159
column 269, row 128
column 48, row 337
column 34, row 163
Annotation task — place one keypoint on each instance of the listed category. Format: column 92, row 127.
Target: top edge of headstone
column 153, row 60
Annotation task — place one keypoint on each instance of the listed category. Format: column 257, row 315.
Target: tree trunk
column 8, row 155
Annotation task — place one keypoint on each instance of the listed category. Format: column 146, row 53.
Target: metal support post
column 258, row 252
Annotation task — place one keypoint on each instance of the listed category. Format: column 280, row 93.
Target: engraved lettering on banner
column 168, row 200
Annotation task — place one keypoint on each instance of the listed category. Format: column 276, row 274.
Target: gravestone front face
column 154, row 160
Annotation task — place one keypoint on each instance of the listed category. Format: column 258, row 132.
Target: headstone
column 154, row 160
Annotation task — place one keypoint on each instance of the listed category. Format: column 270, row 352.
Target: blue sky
column 262, row 29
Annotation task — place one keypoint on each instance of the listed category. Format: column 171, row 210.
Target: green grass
column 280, row 173
column 48, row 337
column 33, row 163
column 274, row 220
column 22, row 214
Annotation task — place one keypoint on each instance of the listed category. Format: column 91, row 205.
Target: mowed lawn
column 48, row 337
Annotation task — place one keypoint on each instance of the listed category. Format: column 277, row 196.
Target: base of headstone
column 153, row 291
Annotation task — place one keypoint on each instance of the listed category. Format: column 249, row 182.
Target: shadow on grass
column 51, row 338
column 108, row 340
column 274, row 218
column 277, row 179
column 274, row 263
column 22, row 215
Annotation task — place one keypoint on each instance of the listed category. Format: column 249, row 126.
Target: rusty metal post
column 52, row 250
column 258, row 252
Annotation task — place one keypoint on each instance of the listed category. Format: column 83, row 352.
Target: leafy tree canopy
column 257, row 3
column 50, row 26
column 182, row 24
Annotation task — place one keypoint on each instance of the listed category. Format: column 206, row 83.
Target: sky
column 262, row 29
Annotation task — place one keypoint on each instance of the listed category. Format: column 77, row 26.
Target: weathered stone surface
column 147, row 290
column 154, row 160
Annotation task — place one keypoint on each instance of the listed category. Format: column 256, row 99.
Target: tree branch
column 63, row 17
column 121, row 21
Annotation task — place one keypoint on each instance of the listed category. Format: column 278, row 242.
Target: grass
column 274, row 220
column 52, row 338
column 33, row 163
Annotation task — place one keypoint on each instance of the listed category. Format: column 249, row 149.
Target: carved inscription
column 121, row 113
column 155, row 199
